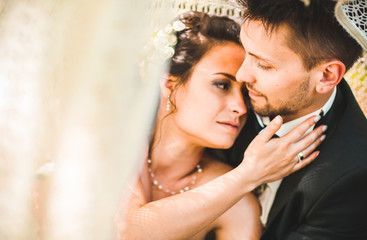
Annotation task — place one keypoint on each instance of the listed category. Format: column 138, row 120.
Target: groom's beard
column 285, row 107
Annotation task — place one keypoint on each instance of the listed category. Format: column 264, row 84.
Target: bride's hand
column 269, row 159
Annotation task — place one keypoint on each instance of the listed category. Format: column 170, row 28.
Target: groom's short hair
column 314, row 32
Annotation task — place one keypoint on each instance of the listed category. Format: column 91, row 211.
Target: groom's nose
column 244, row 74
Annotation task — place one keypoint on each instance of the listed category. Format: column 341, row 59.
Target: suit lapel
column 283, row 194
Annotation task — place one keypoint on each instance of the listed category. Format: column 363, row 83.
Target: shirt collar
column 288, row 126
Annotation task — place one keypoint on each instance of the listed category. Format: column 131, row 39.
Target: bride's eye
column 222, row 85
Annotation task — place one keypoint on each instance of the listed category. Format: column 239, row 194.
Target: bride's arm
column 183, row 215
column 242, row 221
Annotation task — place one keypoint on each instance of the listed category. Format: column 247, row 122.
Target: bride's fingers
column 315, row 139
column 301, row 129
column 305, row 161
column 270, row 129
column 307, row 151
column 311, row 140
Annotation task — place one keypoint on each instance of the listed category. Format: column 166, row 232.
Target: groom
column 296, row 57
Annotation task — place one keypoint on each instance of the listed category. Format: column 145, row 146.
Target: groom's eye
column 263, row 67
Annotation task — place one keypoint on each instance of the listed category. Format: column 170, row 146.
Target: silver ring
column 300, row 157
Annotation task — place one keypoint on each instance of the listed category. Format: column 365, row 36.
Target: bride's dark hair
column 200, row 34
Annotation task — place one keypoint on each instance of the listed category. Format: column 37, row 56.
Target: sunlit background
column 76, row 110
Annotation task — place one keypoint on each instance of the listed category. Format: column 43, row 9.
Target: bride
column 183, row 192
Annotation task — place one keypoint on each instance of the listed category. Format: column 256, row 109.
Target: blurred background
column 77, row 105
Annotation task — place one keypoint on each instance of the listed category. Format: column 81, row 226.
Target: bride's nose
column 237, row 105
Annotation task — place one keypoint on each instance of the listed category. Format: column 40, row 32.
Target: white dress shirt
column 267, row 197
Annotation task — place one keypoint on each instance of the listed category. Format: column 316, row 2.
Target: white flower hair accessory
column 160, row 46
column 162, row 42
column 178, row 26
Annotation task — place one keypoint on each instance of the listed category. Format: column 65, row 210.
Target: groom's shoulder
column 352, row 124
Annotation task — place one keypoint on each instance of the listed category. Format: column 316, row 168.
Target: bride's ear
column 168, row 83
column 332, row 74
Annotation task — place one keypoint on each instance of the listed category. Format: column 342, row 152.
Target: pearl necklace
column 162, row 188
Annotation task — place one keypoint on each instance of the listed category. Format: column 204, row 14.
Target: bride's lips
column 231, row 126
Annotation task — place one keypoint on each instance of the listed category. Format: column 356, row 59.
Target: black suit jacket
column 328, row 198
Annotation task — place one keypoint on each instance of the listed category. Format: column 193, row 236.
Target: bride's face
column 210, row 108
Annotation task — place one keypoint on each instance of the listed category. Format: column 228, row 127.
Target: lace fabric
column 227, row 8
column 352, row 15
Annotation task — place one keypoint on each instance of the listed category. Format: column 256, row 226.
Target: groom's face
column 275, row 76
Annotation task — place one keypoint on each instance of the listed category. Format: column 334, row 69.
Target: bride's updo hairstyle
column 201, row 32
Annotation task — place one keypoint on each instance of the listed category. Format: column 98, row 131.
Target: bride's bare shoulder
column 246, row 212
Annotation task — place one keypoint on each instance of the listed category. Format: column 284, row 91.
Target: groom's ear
column 332, row 74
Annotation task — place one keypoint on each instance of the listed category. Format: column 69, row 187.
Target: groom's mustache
column 251, row 88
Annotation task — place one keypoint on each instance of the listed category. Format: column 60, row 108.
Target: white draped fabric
column 71, row 94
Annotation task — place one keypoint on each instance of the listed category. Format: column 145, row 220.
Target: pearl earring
column 168, row 105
